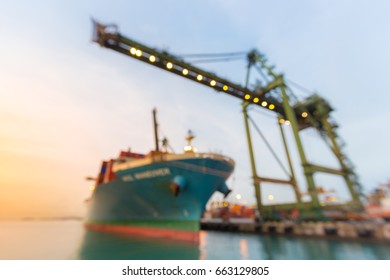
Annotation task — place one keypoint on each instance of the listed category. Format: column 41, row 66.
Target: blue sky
column 66, row 103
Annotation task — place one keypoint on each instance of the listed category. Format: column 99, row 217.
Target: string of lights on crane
column 199, row 77
column 148, row 56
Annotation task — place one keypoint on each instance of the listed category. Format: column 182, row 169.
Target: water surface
column 69, row 240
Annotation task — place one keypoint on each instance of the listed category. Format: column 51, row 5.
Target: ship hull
column 142, row 201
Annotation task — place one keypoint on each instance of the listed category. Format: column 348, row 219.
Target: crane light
column 199, row 77
column 169, row 65
column 304, row 115
column 264, row 103
column 133, row 51
column 213, row 83
column 225, row 87
column 271, row 106
column 287, row 122
column 152, row 58
column 255, row 100
column 247, row 96
column 138, row 53
column 185, row 72
column 281, row 120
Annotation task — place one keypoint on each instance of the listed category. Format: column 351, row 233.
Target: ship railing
column 118, row 166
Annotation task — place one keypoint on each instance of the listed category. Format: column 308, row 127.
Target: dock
column 352, row 230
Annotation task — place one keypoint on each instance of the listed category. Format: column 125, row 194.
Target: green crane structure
column 275, row 96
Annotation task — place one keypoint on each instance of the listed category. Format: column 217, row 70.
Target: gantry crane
column 274, row 95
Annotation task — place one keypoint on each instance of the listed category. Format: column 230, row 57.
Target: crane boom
column 108, row 36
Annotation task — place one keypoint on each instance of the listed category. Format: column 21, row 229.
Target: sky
column 66, row 103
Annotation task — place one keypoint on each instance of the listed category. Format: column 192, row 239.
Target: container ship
column 159, row 194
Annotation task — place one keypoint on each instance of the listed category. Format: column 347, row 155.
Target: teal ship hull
column 160, row 195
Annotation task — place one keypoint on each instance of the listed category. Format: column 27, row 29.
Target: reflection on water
column 244, row 249
column 220, row 245
column 68, row 240
column 252, row 246
column 110, row 246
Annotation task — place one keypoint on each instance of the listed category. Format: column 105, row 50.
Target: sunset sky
column 66, row 103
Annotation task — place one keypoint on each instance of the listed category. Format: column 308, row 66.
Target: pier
column 365, row 230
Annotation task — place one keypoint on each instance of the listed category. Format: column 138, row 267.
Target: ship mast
column 155, row 125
